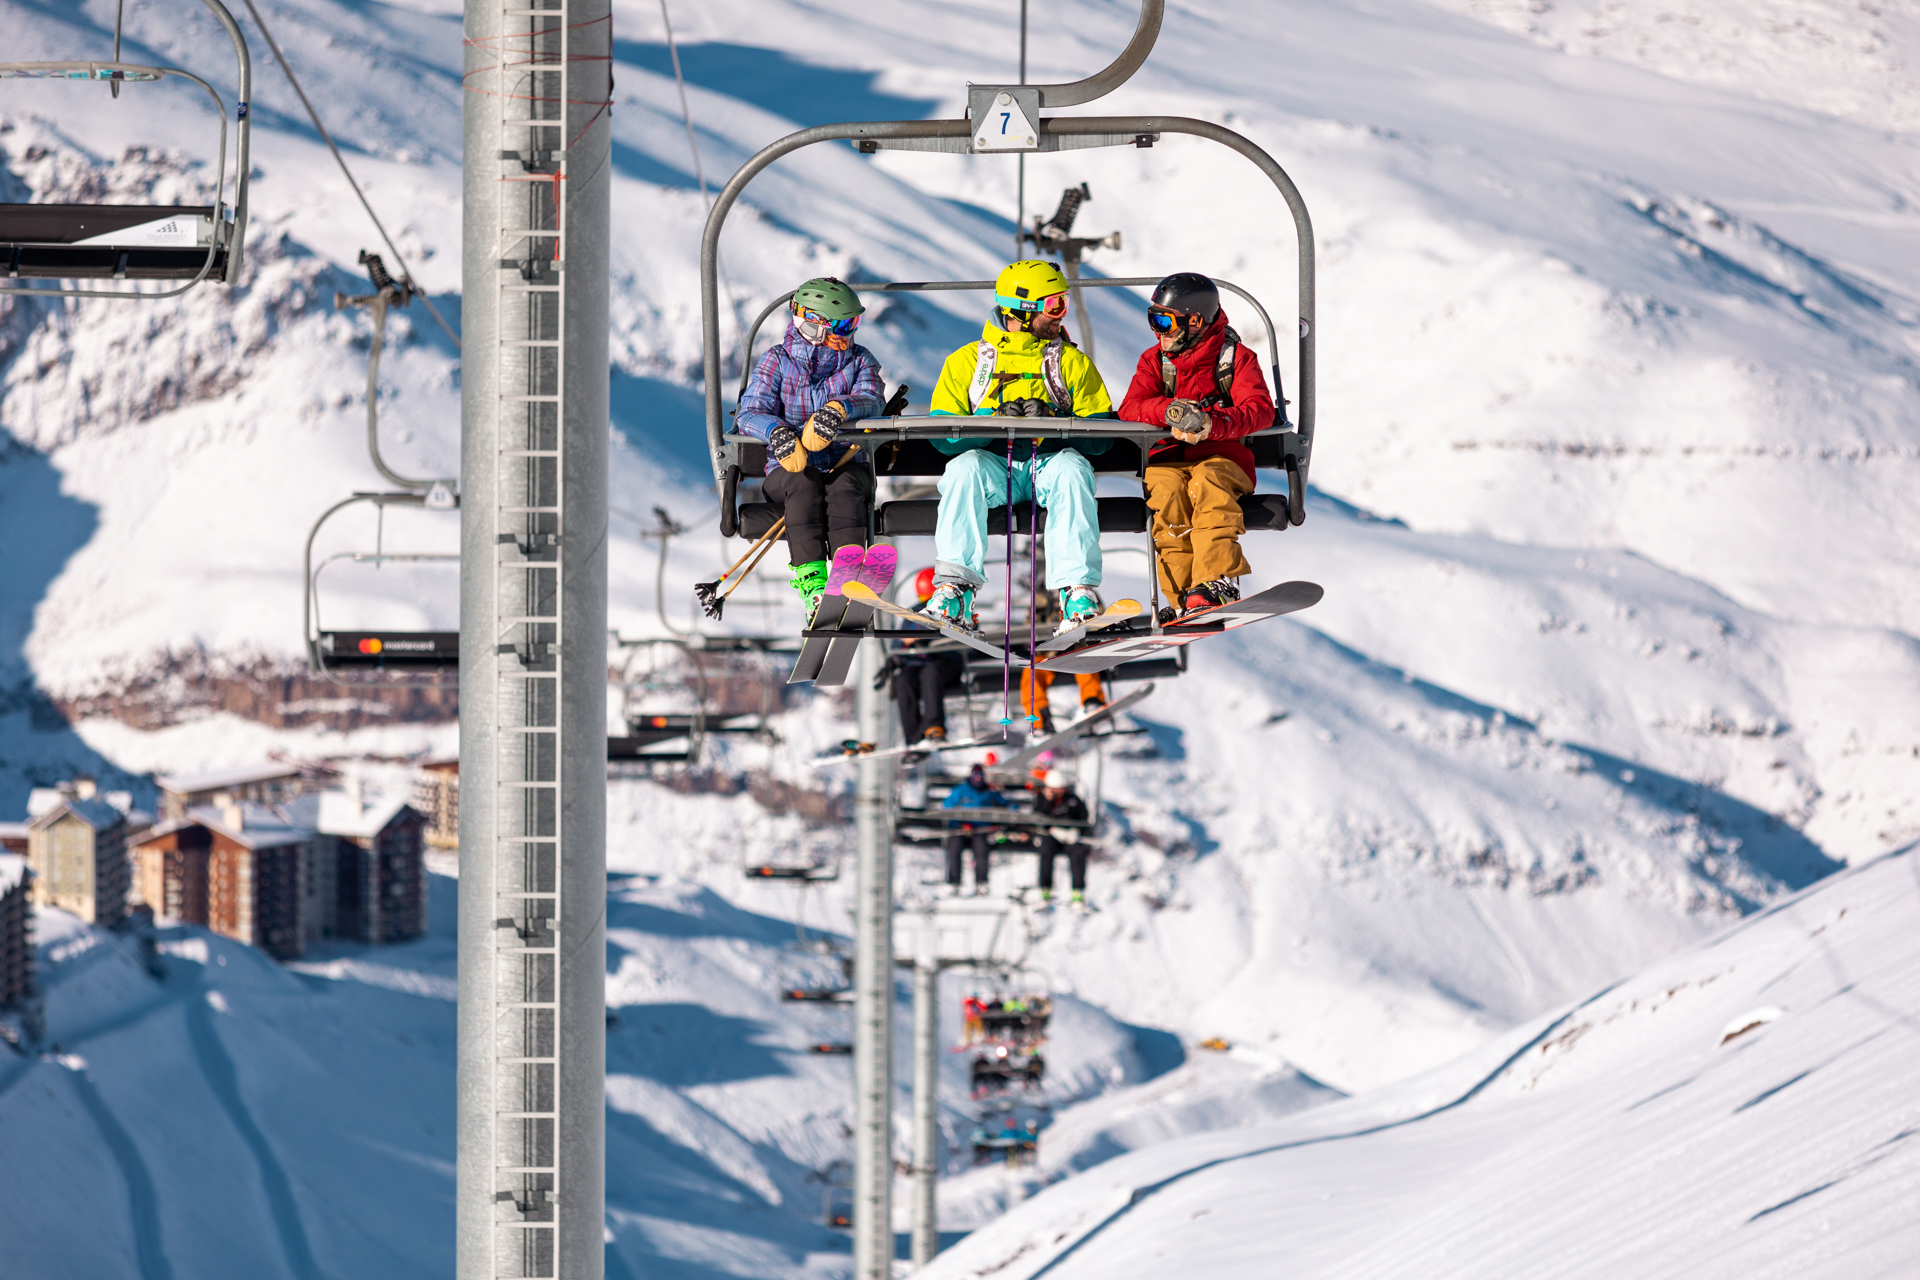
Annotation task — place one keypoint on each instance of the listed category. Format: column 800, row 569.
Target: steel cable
column 313, row 115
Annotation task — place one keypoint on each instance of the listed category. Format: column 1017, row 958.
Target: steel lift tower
column 533, row 641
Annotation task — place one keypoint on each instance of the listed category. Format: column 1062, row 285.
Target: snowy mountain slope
column 1738, row 1109
column 1855, row 62
column 298, row 1121
column 1578, row 320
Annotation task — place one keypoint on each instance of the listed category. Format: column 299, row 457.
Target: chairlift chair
column 375, row 658
column 902, row 444
column 132, row 242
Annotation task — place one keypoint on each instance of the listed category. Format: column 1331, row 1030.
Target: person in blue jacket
column 974, row 793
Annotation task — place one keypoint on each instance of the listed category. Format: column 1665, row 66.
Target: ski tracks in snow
column 224, row 1081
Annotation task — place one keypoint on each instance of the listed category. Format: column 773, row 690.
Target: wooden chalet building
column 16, row 938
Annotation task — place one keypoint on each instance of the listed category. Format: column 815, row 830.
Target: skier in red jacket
column 1205, row 385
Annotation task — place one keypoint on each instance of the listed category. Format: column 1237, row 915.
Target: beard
column 1047, row 327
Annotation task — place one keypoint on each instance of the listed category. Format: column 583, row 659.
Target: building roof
column 44, row 800
column 262, row 826
column 221, row 779
column 442, row 766
column 14, row 830
column 96, row 813
column 340, row 813
column 13, row 869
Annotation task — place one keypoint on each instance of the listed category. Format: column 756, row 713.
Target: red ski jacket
column 1193, row 369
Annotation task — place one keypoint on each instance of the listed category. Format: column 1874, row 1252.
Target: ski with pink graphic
column 877, row 567
column 847, row 563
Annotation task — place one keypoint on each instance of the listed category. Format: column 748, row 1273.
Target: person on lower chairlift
column 803, row 390
column 974, row 793
column 1023, row 366
column 920, row 678
column 1205, row 386
column 1057, row 800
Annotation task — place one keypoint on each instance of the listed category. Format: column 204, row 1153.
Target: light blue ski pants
column 976, row 481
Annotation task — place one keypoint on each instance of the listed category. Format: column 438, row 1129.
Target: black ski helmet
column 1188, row 291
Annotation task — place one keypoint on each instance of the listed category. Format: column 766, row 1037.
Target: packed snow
column 1619, row 315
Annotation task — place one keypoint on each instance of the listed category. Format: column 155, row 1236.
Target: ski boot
column 1078, row 902
column 810, row 580
column 1208, row 595
column 1077, row 605
column 951, row 603
column 936, row 734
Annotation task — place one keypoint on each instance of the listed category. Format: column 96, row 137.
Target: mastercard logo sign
column 371, row 645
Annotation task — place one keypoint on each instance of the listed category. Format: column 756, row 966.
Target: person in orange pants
column 1092, row 695
column 1206, row 387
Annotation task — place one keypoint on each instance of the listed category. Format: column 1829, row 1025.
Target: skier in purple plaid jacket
column 801, row 393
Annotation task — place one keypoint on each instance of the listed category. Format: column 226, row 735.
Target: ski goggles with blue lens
column 841, row 328
column 1166, row 320
column 1054, row 304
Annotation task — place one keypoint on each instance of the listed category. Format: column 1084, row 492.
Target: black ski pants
column 822, row 508
column 1077, row 852
column 982, row 856
column 919, row 687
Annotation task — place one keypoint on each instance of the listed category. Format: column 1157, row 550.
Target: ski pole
column 710, row 604
column 758, row 551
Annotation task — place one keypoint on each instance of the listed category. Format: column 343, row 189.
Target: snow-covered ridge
column 1738, row 1109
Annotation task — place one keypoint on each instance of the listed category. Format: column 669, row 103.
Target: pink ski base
column 876, row 571
column 846, row 568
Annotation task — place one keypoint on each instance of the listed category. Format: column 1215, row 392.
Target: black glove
column 823, row 426
column 783, row 443
column 1021, row 409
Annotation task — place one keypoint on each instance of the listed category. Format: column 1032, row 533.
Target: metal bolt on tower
column 531, row 1194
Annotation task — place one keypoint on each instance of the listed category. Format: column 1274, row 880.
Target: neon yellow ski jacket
column 1020, row 355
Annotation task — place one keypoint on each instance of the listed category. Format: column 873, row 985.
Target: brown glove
column 823, row 426
column 784, row 445
column 1189, row 422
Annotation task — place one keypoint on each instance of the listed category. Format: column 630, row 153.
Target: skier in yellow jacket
column 1023, row 366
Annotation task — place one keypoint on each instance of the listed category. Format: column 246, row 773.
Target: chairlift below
column 133, row 242
column 411, row 656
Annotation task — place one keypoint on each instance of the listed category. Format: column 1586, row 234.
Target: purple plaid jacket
column 794, row 378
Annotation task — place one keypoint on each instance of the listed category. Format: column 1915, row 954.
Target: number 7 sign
column 1005, row 119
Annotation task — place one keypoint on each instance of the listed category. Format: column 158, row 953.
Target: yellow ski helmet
column 1026, row 285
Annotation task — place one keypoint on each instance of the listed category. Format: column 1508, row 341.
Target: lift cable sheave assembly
column 132, row 242
column 1003, row 119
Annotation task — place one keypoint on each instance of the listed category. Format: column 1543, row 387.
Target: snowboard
column 1078, row 728
column 1118, row 611
column 1288, row 597
column 858, row 593
column 917, row 749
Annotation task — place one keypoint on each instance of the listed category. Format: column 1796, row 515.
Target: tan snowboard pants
column 1197, row 522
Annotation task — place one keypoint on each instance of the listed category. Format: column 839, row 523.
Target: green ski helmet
column 826, row 310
